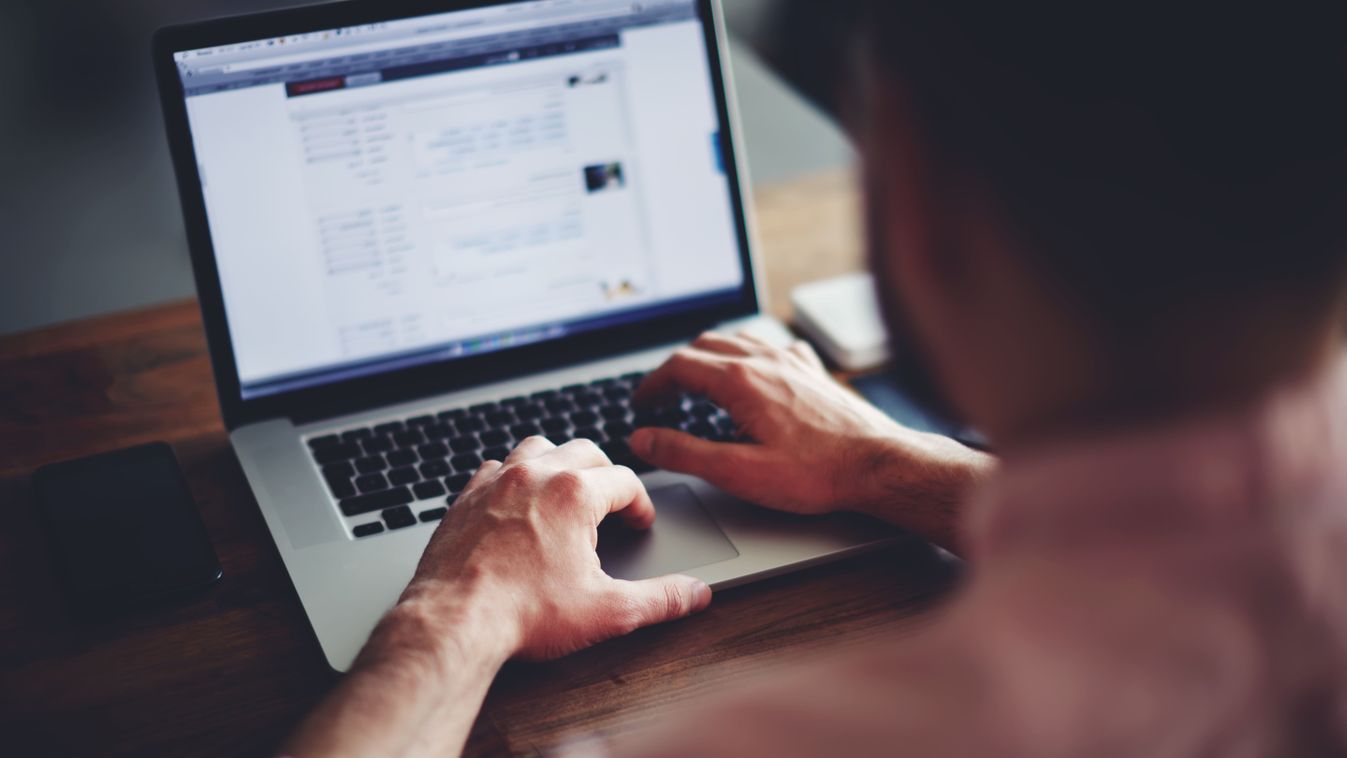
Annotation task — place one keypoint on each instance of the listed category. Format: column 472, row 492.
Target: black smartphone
column 124, row 529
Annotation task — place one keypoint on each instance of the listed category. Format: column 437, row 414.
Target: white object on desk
column 842, row 317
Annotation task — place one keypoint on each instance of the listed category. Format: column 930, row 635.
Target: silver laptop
column 425, row 231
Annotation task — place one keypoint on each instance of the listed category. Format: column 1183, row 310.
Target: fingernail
column 701, row 594
column 642, row 442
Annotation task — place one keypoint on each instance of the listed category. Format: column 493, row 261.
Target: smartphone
column 124, row 529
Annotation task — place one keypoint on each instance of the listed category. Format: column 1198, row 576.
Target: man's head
column 1096, row 212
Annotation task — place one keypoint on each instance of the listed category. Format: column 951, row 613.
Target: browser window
column 430, row 188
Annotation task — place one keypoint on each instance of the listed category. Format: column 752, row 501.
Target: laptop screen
column 425, row 189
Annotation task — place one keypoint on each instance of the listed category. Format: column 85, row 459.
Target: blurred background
column 89, row 215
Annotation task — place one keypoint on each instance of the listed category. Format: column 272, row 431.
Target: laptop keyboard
column 410, row 471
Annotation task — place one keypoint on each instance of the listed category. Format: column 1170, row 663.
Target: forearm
column 924, row 491
column 417, row 686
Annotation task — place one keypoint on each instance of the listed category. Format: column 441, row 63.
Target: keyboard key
column 522, row 432
column 340, row 486
column 457, row 483
column 371, row 483
column 495, row 437
column 618, row 429
column 496, row 453
column 405, row 475
column 429, row 490
column 419, row 421
column 587, row 399
column 465, row 444
column 585, row 418
column 400, row 517
column 368, row 530
column 356, row 435
column 543, row 396
column 530, row 412
column 339, row 469
column 456, row 413
column 513, row 402
column 592, row 434
column 466, row 463
column 726, row 429
column 392, row 427
column 438, row 432
column 614, row 412
column 378, row 501
column 483, row 408
column 327, row 441
column 571, row 389
column 634, row 377
column 618, row 394
column 618, row 451
column 409, row 438
column 556, row 426
column 399, row 458
column 435, row 469
column 560, row 405
column 704, row 410
column 336, row 453
column 498, row 419
column 371, row 465
column 376, row 445
column 601, row 383
column 672, row 418
column 434, row 514
column 701, row 429
column 433, row 451
column 470, row 424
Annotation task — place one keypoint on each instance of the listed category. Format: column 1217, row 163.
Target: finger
column 529, row 449
column 757, row 341
column 806, row 352
column 617, row 489
column 484, row 472
column 688, row 369
column 724, row 344
column 735, row 467
column 656, row 601
column 577, row 454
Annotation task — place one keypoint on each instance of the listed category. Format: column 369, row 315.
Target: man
column 1117, row 240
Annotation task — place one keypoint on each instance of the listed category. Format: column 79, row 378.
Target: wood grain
column 230, row 673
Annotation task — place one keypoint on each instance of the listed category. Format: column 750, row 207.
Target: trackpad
column 683, row 538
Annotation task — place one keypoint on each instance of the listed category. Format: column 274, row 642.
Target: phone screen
column 124, row 527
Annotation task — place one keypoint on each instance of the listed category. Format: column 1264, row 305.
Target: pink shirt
column 1177, row 591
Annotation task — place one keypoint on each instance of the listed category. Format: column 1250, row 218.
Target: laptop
column 424, row 231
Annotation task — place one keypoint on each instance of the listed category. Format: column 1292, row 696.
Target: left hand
column 522, row 538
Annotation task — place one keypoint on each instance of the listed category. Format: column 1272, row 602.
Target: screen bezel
column 352, row 395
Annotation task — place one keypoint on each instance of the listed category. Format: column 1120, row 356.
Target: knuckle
column 682, row 355
column 742, row 373
column 674, row 600
column 567, row 484
column 520, row 475
column 585, row 445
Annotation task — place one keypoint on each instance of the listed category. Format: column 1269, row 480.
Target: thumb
column 655, row 601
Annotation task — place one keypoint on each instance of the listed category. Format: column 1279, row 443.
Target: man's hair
column 1150, row 157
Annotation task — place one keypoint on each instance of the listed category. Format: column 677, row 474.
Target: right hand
column 817, row 447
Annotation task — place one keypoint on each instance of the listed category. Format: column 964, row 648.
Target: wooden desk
column 232, row 672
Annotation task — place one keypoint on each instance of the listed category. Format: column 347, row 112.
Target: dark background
column 89, row 216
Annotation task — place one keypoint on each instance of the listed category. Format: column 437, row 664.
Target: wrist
column 918, row 482
column 445, row 628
